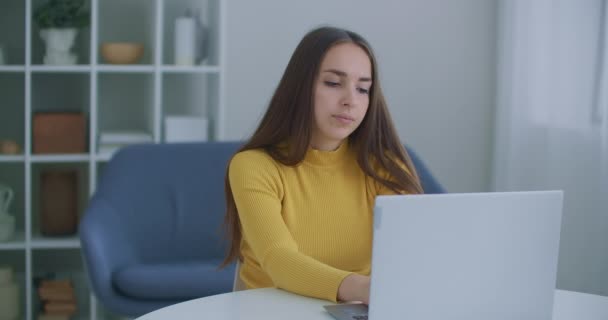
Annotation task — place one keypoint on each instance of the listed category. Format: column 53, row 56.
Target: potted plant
column 59, row 21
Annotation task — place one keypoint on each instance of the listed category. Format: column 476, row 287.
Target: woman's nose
column 348, row 96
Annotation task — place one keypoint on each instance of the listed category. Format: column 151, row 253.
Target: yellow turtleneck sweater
column 306, row 227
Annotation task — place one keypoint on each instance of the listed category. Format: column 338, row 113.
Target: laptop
column 462, row 256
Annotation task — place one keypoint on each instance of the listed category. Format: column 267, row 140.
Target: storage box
column 63, row 132
column 58, row 202
column 185, row 129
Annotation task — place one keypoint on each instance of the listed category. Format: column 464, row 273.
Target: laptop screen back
column 465, row 256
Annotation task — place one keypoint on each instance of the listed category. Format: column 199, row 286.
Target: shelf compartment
column 15, row 260
column 12, row 175
column 209, row 16
column 13, row 110
column 62, row 264
column 66, row 191
column 12, row 33
column 81, row 45
column 61, row 93
column 125, row 103
column 141, row 15
column 193, row 95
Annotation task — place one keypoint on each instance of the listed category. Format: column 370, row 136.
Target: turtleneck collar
column 327, row 158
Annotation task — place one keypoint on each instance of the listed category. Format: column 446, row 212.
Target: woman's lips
column 343, row 119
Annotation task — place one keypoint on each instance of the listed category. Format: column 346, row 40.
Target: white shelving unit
column 113, row 97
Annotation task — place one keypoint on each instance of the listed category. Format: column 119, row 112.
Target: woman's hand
column 354, row 287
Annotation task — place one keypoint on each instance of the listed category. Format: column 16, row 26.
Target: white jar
column 9, row 295
column 185, row 41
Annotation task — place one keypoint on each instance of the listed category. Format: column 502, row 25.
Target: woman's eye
column 332, row 84
column 363, row 90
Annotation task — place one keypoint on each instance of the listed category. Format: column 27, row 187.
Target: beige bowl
column 122, row 52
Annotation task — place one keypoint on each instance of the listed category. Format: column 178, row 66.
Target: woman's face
column 341, row 95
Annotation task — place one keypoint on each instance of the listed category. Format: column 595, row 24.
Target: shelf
column 5, row 68
column 17, row 243
column 42, row 242
column 17, row 158
column 111, row 97
column 193, row 69
column 112, row 68
column 63, row 69
column 104, row 157
column 60, row 158
column 125, row 68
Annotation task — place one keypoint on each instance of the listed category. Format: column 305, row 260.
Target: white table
column 268, row 304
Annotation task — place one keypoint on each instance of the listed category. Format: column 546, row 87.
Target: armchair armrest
column 106, row 247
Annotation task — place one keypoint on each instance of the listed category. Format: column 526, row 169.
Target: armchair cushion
column 172, row 281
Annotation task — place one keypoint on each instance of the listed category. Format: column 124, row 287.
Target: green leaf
column 62, row 14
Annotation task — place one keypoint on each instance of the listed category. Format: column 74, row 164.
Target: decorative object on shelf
column 190, row 37
column 59, row 202
column 57, row 298
column 2, row 57
column 111, row 141
column 9, row 295
column 9, row 147
column 6, row 197
column 59, row 21
column 58, row 44
column 122, row 52
column 7, row 227
column 59, row 132
column 185, row 129
column 7, row 221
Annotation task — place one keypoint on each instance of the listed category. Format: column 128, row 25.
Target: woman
column 300, row 193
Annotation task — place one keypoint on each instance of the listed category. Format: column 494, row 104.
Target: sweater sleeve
column 258, row 190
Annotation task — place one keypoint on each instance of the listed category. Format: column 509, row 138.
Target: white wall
column 437, row 65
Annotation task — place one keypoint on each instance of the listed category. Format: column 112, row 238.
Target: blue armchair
column 151, row 235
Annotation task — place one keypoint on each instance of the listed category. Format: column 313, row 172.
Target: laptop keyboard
column 348, row 311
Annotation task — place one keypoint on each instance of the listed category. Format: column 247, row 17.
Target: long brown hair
column 289, row 119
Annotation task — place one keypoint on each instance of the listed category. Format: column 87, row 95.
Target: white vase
column 9, row 295
column 58, row 42
column 7, row 227
column 190, row 36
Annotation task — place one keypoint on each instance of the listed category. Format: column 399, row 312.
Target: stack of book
column 111, row 141
column 58, row 300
